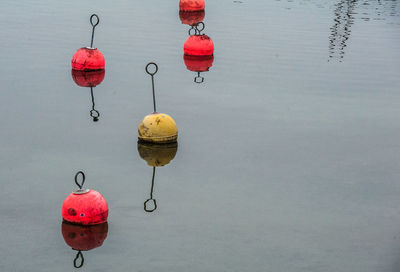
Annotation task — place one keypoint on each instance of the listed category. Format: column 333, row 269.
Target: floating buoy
column 83, row 238
column 157, row 127
column 156, row 156
column 88, row 78
column 191, row 18
column 192, row 5
column 198, row 44
column 89, row 58
column 198, row 64
column 84, row 206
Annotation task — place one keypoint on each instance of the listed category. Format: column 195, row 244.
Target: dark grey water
column 288, row 154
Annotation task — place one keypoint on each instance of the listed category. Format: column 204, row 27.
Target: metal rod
column 91, row 94
column 152, row 182
column 93, row 27
column 154, row 95
column 152, row 82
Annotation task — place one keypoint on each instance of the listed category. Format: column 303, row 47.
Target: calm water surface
column 288, row 154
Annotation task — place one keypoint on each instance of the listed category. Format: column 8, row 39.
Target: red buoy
column 88, row 78
column 84, row 206
column 84, row 238
column 87, row 58
column 199, row 45
column 198, row 63
column 191, row 18
column 192, row 5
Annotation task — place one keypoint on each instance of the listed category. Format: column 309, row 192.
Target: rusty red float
column 191, row 18
column 192, row 5
column 84, row 206
column 89, row 58
column 199, row 45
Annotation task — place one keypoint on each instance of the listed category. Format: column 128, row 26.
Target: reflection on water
column 83, row 238
column 198, row 64
column 191, row 18
column 156, row 155
column 345, row 14
column 341, row 29
column 377, row 10
column 89, row 79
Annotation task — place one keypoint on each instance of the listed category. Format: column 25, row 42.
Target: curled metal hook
column 95, row 115
column 83, row 179
column 198, row 28
column 192, row 29
column 147, row 68
column 198, row 79
column 79, row 255
column 154, row 204
column 91, row 20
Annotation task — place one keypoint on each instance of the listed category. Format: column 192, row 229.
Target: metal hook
column 83, row 179
column 91, row 20
column 154, row 204
column 94, row 26
column 147, row 68
column 79, row 255
column 95, row 115
column 201, row 79
column 198, row 28
column 190, row 30
column 152, row 81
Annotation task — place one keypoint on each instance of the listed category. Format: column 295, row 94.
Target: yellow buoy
column 157, row 155
column 157, row 128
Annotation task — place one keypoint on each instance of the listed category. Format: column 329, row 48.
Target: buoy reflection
column 83, row 238
column 191, row 17
column 156, row 156
column 198, row 64
column 89, row 79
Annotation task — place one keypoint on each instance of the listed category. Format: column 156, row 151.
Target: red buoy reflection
column 83, row 238
column 191, row 18
column 88, row 78
column 198, row 63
